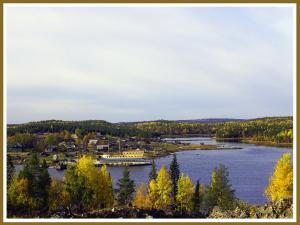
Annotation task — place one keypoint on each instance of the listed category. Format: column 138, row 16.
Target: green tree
column 87, row 187
column 78, row 190
column 104, row 188
column 44, row 164
column 78, row 132
column 219, row 192
column 153, row 172
column 174, row 173
column 38, row 182
column 29, row 190
column 19, row 200
column 10, row 168
column 25, row 139
column 281, row 182
column 39, row 146
column 126, row 188
column 58, row 196
column 52, row 139
column 196, row 200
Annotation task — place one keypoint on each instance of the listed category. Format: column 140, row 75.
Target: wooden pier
column 123, row 162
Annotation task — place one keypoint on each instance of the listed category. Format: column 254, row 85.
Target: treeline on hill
column 275, row 129
column 87, row 126
column 86, row 191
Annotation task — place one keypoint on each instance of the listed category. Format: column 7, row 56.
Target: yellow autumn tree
column 99, row 181
column 18, row 197
column 58, row 196
column 152, row 197
column 164, row 189
column 281, row 182
column 140, row 196
column 85, row 166
column 106, row 188
column 185, row 192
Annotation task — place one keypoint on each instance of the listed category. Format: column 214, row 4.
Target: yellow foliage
column 164, row 188
column 214, row 179
column 18, row 195
column 11, row 139
column 152, row 197
column 140, row 196
column 85, row 166
column 105, row 187
column 99, row 181
column 281, row 182
column 58, row 196
column 185, row 193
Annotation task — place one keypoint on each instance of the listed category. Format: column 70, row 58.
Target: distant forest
column 275, row 129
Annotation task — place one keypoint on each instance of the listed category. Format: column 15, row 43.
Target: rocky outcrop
column 121, row 212
column 279, row 209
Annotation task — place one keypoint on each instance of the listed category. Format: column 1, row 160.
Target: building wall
column 133, row 154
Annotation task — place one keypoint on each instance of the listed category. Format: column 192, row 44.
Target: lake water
column 249, row 167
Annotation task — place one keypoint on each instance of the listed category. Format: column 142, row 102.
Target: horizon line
column 139, row 121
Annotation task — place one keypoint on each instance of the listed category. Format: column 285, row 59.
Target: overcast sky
column 132, row 64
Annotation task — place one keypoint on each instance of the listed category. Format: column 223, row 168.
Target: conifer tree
column 79, row 190
column 44, row 164
column 196, row 199
column 281, row 182
column 174, row 173
column 153, row 172
column 126, row 188
column 219, row 192
column 38, row 182
column 10, row 168
column 89, row 187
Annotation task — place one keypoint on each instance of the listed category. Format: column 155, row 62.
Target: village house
column 67, row 145
column 50, row 148
column 74, row 137
column 81, row 147
column 92, row 145
column 137, row 153
column 102, row 147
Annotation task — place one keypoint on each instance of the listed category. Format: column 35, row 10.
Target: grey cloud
column 126, row 64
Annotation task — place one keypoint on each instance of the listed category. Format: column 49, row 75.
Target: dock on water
column 123, row 162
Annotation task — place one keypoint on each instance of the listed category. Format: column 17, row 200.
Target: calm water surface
column 249, row 168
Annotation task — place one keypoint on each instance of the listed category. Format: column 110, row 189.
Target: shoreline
column 260, row 143
column 187, row 135
column 269, row 143
column 191, row 147
column 162, row 151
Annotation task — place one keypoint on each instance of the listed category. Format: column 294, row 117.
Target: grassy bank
column 163, row 149
column 268, row 143
column 251, row 141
